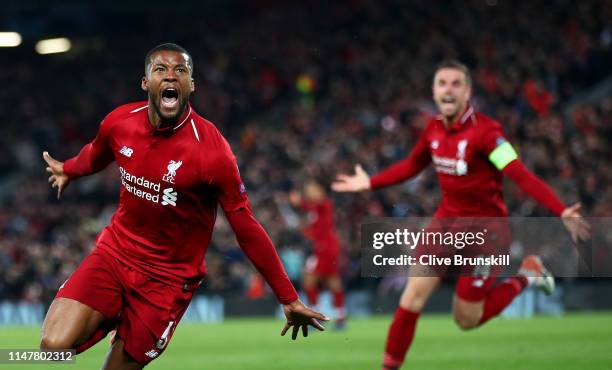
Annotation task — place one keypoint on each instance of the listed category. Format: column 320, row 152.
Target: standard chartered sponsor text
column 129, row 181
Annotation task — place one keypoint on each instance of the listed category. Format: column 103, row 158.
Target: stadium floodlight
column 52, row 46
column 9, row 39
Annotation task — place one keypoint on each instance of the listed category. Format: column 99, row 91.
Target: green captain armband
column 502, row 155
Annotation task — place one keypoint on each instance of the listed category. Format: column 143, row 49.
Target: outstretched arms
column 400, row 171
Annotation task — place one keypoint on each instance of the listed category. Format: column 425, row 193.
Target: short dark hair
column 455, row 64
column 168, row 46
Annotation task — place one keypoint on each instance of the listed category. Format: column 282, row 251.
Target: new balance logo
column 169, row 197
column 152, row 353
column 126, row 151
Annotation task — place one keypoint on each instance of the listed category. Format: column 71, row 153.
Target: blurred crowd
column 302, row 91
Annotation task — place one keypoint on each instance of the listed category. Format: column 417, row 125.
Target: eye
column 158, row 69
column 181, row 69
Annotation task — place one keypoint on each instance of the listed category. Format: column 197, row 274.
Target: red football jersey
column 470, row 183
column 171, row 183
column 321, row 229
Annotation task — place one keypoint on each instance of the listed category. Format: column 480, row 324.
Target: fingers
column 359, row 169
column 55, row 183
column 295, row 331
column 572, row 211
column 584, row 230
column 316, row 315
column 284, row 331
column 317, row 324
column 60, row 190
column 47, row 157
column 305, row 330
column 576, row 207
column 339, row 186
column 580, row 232
column 579, row 229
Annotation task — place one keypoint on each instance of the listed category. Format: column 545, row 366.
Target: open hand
column 300, row 316
column 57, row 179
column 360, row 181
column 578, row 228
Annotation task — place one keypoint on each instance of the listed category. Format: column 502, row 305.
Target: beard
column 169, row 120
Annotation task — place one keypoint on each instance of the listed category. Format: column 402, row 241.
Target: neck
column 154, row 118
column 158, row 123
column 449, row 120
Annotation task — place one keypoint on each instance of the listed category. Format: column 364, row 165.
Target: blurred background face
column 451, row 92
column 314, row 192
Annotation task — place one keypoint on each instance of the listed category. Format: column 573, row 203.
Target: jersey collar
column 460, row 122
column 167, row 131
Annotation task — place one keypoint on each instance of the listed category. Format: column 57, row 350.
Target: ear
column 192, row 85
column 144, row 83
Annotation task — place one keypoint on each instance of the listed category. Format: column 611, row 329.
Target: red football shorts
column 473, row 283
column 144, row 311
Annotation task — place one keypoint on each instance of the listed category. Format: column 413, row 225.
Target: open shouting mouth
column 169, row 98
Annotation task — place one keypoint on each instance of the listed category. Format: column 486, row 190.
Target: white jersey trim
column 467, row 114
column 185, row 120
column 197, row 136
column 139, row 109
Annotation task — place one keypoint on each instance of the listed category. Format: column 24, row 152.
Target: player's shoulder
column 209, row 138
column 126, row 109
column 121, row 114
column 485, row 122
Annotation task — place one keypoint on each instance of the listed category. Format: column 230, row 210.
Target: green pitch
column 577, row 341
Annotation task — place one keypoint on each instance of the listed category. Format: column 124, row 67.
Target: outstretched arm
column 528, row 182
column 256, row 244
column 416, row 161
column 93, row 157
column 504, row 158
column 544, row 195
column 258, row 247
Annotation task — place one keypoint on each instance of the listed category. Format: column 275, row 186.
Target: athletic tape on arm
column 502, row 155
